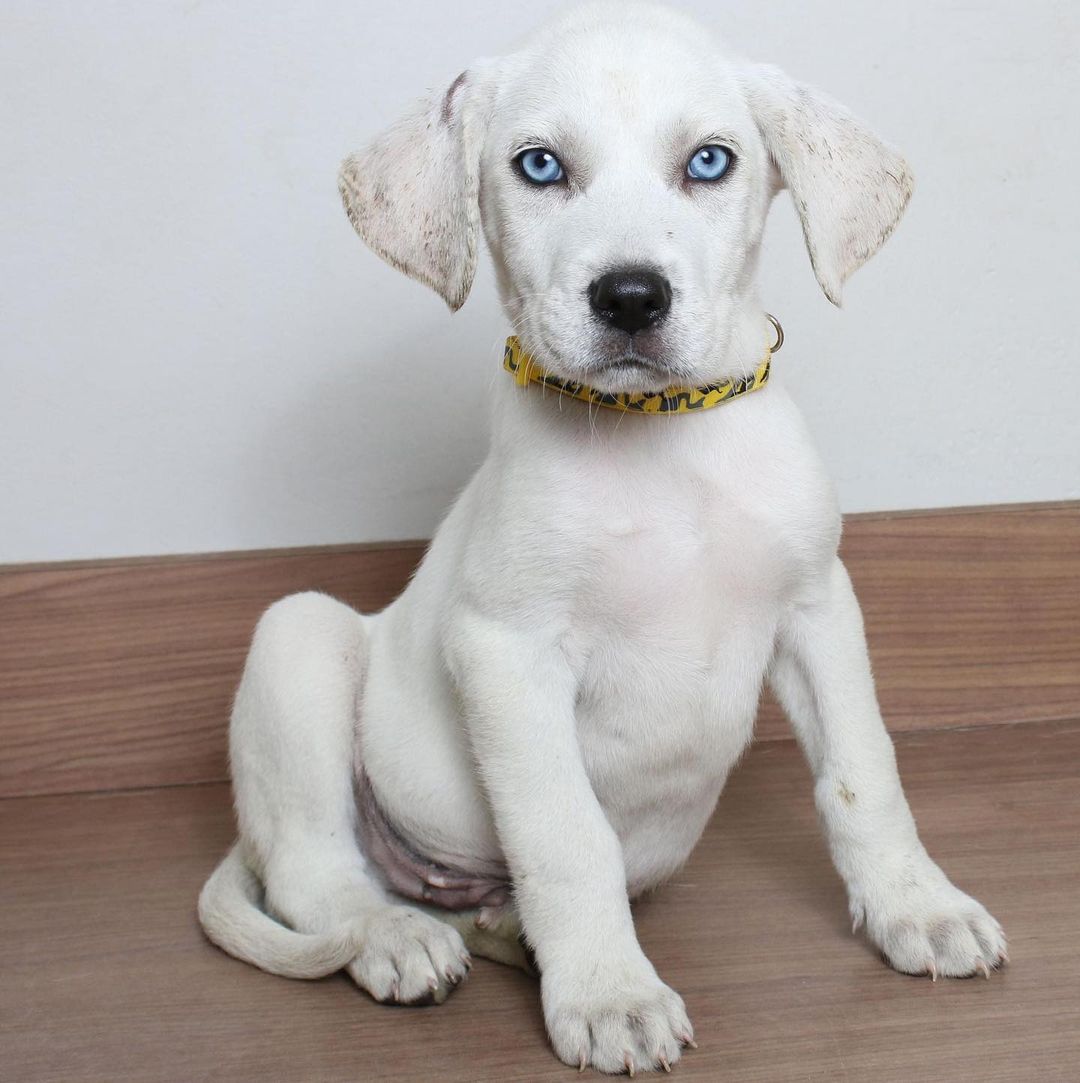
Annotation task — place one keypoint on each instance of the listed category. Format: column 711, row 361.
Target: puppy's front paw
column 616, row 1022
column 925, row 925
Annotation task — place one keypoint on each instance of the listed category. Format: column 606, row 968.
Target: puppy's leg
column 292, row 745
column 603, row 1002
column 921, row 922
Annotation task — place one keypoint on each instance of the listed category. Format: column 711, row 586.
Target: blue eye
column 539, row 166
column 709, row 163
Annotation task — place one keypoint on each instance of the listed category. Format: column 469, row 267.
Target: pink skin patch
column 414, row 876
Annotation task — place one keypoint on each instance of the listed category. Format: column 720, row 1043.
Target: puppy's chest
column 680, row 562
column 676, row 613
column 669, row 641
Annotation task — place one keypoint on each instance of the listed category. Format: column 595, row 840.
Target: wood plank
column 972, row 615
column 119, row 673
column 106, row 976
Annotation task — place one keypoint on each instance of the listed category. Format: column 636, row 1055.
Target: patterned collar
column 673, row 400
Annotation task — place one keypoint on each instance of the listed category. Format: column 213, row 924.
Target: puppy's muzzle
column 631, row 299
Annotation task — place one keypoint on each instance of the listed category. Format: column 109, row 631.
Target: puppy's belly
column 670, row 658
column 660, row 738
column 663, row 714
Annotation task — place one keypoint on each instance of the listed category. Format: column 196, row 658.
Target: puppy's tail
column 232, row 918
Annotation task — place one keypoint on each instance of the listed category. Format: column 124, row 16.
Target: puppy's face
column 621, row 166
column 623, row 187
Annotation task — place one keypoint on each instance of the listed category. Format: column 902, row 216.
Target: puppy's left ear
column 849, row 187
column 413, row 194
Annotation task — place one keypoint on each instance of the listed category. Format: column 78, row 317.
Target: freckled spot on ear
column 846, row 795
column 670, row 233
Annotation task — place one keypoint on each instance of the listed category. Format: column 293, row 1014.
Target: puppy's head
column 621, row 166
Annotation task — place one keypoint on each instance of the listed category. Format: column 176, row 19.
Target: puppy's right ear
column 413, row 194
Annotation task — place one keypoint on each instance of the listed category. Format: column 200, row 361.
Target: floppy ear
column 850, row 188
column 413, row 194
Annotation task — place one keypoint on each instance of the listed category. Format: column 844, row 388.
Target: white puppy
column 556, row 700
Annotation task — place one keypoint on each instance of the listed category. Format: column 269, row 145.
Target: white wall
column 198, row 354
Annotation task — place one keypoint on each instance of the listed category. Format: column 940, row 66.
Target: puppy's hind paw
column 407, row 957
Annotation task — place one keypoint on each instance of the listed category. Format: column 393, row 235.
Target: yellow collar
column 673, row 400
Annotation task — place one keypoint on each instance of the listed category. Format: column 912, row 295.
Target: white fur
column 576, row 666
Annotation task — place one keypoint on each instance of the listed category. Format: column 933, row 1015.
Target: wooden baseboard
column 119, row 673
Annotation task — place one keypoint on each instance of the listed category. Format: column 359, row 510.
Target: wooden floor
column 105, row 975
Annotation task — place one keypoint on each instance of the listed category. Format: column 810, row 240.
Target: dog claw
column 433, row 984
column 582, row 1063
column 629, row 1062
column 983, row 969
column 931, row 969
column 686, row 1039
column 664, row 1064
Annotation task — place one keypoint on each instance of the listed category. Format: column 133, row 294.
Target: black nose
column 631, row 300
